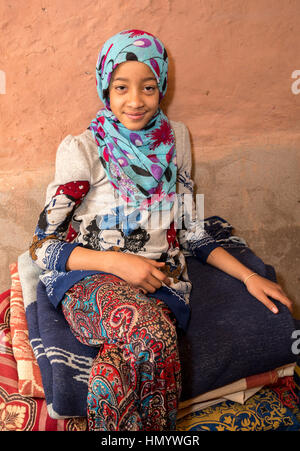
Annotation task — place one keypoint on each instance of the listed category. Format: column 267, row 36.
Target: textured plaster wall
column 231, row 65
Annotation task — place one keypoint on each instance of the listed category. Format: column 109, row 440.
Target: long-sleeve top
column 83, row 209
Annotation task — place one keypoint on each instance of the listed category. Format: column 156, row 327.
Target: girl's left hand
column 261, row 288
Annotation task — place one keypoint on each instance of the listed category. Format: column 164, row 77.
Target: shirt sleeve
column 54, row 236
column 192, row 236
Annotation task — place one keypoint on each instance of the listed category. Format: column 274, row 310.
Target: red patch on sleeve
column 77, row 190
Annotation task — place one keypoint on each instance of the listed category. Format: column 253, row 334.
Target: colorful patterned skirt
column 135, row 381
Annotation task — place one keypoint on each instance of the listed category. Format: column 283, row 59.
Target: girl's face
column 133, row 94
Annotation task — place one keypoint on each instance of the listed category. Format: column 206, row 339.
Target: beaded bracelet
column 248, row 277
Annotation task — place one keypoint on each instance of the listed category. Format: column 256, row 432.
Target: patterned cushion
column 17, row 412
column 29, row 375
column 262, row 412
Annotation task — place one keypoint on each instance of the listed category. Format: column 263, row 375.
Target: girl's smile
column 133, row 94
column 135, row 116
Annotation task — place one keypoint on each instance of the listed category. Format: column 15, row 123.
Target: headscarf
column 140, row 164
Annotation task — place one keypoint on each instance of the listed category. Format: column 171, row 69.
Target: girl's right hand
column 140, row 272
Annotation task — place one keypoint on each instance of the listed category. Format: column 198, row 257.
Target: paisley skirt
column 135, row 381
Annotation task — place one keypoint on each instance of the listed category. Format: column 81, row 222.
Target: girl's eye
column 120, row 88
column 150, row 89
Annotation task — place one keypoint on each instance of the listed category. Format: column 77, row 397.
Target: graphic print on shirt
column 56, row 216
column 185, row 179
column 103, row 229
column 56, row 219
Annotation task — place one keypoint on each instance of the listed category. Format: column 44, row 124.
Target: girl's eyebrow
column 126, row 79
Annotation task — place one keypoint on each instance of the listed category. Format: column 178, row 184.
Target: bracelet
column 248, row 277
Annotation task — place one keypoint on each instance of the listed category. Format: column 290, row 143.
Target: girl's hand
column 140, row 272
column 261, row 288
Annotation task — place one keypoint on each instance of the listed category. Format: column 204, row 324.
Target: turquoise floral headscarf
column 139, row 164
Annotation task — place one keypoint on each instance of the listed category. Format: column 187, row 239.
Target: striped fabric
column 29, row 375
column 18, row 412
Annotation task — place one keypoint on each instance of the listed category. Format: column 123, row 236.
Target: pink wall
column 230, row 80
column 231, row 63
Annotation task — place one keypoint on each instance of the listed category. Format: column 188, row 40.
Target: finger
column 148, row 287
column 285, row 299
column 155, row 263
column 161, row 276
column 281, row 297
column 268, row 303
column 155, row 282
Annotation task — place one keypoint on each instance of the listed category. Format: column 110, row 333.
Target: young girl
column 121, row 282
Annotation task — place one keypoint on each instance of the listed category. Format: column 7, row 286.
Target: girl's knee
column 154, row 342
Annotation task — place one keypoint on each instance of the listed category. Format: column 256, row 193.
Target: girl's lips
column 135, row 116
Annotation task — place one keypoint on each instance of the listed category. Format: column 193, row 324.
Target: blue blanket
column 230, row 335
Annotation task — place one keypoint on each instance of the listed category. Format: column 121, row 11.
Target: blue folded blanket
column 230, row 335
column 64, row 362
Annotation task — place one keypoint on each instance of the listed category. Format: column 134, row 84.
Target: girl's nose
column 135, row 99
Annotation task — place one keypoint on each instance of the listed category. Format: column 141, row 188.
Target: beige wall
column 231, row 65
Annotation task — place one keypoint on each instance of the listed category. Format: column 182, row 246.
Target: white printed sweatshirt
column 83, row 209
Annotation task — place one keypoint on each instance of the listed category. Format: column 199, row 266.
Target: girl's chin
column 134, row 124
